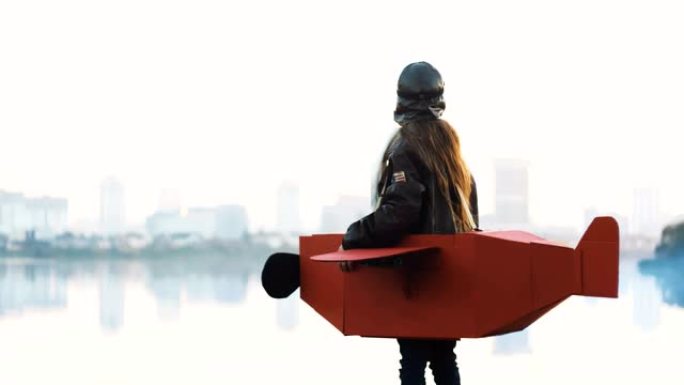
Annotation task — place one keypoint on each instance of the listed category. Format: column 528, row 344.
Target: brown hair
column 438, row 146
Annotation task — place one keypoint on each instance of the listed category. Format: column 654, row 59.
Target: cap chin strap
column 436, row 111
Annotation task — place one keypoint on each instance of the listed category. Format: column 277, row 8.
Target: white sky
column 222, row 101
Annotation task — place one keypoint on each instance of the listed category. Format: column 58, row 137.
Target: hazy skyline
column 223, row 102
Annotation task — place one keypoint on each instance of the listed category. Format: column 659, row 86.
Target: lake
column 205, row 320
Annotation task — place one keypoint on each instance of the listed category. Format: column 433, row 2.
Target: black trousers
column 415, row 354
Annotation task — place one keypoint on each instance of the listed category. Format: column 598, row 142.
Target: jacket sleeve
column 474, row 210
column 399, row 208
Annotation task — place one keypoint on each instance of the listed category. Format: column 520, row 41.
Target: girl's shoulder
column 401, row 152
column 400, row 145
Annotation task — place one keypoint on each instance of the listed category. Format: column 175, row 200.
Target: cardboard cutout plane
column 465, row 285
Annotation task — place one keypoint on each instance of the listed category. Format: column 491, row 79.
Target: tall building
column 48, row 216
column 112, row 209
column 288, row 220
column 511, row 191
column 231, row 222
column 226, row 222
column 645, row 215
column 348, row 209
column 45, row 216
column 13, row 215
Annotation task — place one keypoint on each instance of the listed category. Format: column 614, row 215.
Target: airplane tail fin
column 598, row 255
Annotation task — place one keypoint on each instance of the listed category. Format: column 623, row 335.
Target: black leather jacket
column 410, row 204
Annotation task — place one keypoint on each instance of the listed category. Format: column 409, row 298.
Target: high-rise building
column 511, row 191
column 231, row 222
column 45, row 216
column 13, row 215
column 112, row 209
column 288, row 220
column 645, row 215
column 226, row 222
column 336, row 218
column 48, row 216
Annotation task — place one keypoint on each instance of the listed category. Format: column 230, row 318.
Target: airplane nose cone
column 280, row 276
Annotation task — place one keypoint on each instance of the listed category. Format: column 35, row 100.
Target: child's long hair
column 438, row 146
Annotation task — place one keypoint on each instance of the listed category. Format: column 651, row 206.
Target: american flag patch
column 399, row 177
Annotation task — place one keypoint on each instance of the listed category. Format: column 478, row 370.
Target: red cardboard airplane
column 465, row 285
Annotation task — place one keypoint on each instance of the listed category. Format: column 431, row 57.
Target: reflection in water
column 167, row 292
column 27, row 284
column 646, row 310
column 226, row 288
column 35, row 284
column 644, row 294
column 287, row 311
column 513, row 343
column 668, row 272
column 112, row 298
column 225, row 329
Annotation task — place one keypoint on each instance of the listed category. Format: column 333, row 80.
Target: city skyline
column 263, row 217
column 510, row 202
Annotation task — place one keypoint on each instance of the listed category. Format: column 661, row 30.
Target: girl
column 424, row 188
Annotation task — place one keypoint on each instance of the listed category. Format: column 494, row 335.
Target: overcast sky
column 221, row 101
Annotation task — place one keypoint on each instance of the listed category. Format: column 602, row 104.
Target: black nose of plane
column 280, row 276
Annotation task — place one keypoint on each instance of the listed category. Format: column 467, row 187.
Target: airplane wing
column 357, row 255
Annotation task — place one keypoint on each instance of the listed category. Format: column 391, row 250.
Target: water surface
column 205, row 320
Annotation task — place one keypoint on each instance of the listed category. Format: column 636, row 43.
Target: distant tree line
column 671, row 240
